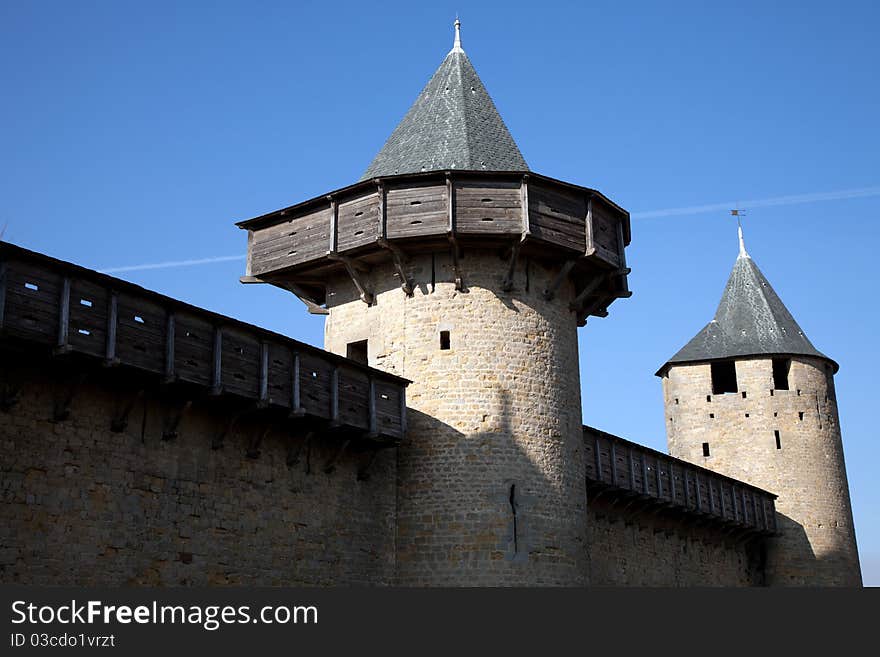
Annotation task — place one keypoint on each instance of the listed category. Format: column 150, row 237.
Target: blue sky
column 135, row 133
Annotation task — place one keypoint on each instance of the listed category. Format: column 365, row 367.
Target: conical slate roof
column 751, row 320
column 453, row 124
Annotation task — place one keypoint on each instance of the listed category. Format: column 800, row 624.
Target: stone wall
column 491, row 476
column 805, row 468
column 84, row 505
column 638, row 552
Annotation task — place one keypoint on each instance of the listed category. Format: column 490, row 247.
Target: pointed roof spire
column 456, row 45
column 751, row 320
column 742, row 245
column 453, row 124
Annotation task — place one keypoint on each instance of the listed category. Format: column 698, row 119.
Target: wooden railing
column 613, row 463
column 71, row 309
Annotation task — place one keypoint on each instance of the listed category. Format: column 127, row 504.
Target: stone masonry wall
column 491, row 478
column 636, row 553
column 82, row 505
column 817, row 543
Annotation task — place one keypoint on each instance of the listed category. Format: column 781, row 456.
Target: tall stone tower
column 453, row 265
column 752, row 398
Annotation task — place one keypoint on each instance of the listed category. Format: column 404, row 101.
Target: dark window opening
column 801, row 416
column 723, row 377
column 781, row 366
column 705, row 449
column 444, row 340
column 778, row 440
column 708, row 398
column 676, row 400
column 744, row 394
column 747, row 414
column 712, row 415
column 357, row 351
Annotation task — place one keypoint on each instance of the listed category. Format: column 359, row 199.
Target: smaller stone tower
column 752, row 398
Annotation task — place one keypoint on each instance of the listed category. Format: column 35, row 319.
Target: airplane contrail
column 172, row 263
column 861, row 192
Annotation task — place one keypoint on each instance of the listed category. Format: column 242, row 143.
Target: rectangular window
column 778, row 440
column 781, row 366
column 705, row 449
column 723, row 377
column 357, row 351
column 444, row 340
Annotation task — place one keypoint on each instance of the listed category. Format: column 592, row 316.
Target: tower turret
column 750, row 396
column 452, row 265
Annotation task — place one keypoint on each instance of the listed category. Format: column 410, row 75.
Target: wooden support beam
column 231, row 421
column 64, row 397
column 613, row 455
column 723, row 509
column 296, row 408
column 10, row 395
column 295, row 288
column 169, row 348
column 363, row 473
column 670, row 467
column 62, row 343
column 589, row 249
column 711, row 496
column 330, row 466
column 382, row 229
column 217, row 372
column 264, row 374
column 334, row 224
column 124, row 407
column 450, row 231
column 733, row 499
column 687, row 489
column 334, row 397
column 373, row 421
column 507, row 281
column 697, row 488
column 598, row 458
column 658, row 479
column 645, row 488
column 564, row 271
column 403, row 426
column 631, row 464
column 253, row 448
column 354, row 273
column 524, row 202
column 624, row 270
column 591, row 287
column 110, row 357
column 294, row 453
column 172, row 423
column 398, row 258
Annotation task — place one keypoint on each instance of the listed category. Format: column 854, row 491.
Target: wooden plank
column 613, row 463
column 373, row 420
column 217, row 372
column 264, row 372
column 334, row 396
column 64, row 313
column 295, row 399
column 112, row 320
column 169, row 347
column 334, row 224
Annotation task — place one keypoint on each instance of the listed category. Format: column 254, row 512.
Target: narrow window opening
column 781, row 367
column 723, row 377
column 708, row 398
column 775, row 414
column 85, row 302
column 139, row 319
column 512, row 500
column 676, row 400
column 705, row 449
column 32, row 286
column 712, row 415
column 778, row 439
column 801, row 416
column 444, row 340
column 357, row 351
column 744, row 394
column 747, row 414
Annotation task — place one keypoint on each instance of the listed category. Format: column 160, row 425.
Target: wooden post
column 264, row 373
column 169, row 347
column 711, row 496
column 671, row 470
column 373, row 420
column 296, row 408
column 697, row 487
column 733, row 499
column 613, row 461
column 657, row 477
column 64, row 314
column 403, row 426
column 334, row 224
column 632, row 474
column 383, row 225
column 112, row 321
column 217, row 378
column 588, row 228
column 334, row 397
column 598, row 458
column 723, row 505
column 645, row 488
column 524, row 201
column 687, row 490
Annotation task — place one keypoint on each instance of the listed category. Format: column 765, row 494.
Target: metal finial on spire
column 456, row 45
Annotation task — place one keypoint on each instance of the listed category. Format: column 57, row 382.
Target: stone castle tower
column 749, row 396
column 454, row 266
